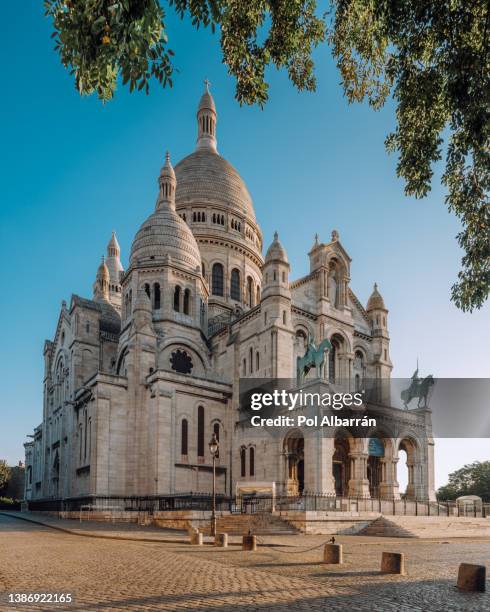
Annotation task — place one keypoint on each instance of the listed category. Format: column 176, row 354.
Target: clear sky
column 73, row 170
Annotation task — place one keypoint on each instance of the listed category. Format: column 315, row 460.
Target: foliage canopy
column 431, row 57
column 4, row 474
column 471, row 479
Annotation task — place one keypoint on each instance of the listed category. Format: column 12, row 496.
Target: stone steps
column 259, row 524
column 428, row 527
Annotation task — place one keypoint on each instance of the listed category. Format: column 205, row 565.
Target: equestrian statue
column 314, row 357
column 419, row 388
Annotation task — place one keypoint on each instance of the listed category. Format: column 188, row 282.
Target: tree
column 471, row 479
column 431, row 57
column 4, row 474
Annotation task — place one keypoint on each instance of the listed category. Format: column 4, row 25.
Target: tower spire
column 206, row 121
column 168, row 183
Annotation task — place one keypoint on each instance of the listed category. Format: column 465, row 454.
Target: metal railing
column 253, row 504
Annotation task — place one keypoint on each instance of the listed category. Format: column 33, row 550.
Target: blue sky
column 74, row 169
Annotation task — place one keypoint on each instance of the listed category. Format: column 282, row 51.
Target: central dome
column 204, row 177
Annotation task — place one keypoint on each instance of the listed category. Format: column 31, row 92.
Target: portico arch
column 411, row 453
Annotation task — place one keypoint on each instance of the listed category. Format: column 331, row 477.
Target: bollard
column 393, row 563
column 221, row 540
column 249, row 542
column 471, row 577
column 332, row 553
column 196, row 537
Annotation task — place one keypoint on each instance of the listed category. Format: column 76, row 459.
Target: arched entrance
column 407, row 448
column 341, row 466
column 294, row 452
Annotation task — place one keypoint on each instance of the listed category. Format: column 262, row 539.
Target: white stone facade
column 138, row 378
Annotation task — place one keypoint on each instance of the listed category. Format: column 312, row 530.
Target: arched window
column 217, row 279
column 177, row 298
column 184, row 434
column 251, row 360
column 244, row 372
column 257, row 361
column 359, row 369
column 251, row 461
column 203, row 269
column 332, row 359
column 284, row 317
column 200, row 431
column 147, row 289
column 187, row 301
column 284, row 277
column 235, row 284
column 250, row 295
column 156, row 296
column 358, row 382
column 243, row 462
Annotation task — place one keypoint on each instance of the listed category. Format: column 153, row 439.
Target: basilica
column 139, row 377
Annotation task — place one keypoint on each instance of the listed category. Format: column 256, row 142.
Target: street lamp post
column 213, row 449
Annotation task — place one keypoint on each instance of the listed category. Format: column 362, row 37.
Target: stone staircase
column 428, row 527
column 258, row 524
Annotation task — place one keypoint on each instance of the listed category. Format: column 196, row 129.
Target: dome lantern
column 206, row 122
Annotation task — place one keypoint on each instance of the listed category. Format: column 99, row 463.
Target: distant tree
column 431, row 57
column 4, row 474
column 471, row 479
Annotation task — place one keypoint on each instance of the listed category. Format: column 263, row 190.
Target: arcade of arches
column 359, row 467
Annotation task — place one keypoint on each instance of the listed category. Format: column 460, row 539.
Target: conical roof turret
column 276, row 252
column 375, row 301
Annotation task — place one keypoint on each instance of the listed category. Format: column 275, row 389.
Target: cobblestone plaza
column 286, row 571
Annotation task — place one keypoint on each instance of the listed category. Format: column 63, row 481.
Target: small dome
column 167, row 170
column 276, row 251
column 164, row 234
column 103, row 271
column 376, row 301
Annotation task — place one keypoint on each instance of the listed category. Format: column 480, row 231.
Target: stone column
column 388, row 487
column 318, row 454
column 358, row 483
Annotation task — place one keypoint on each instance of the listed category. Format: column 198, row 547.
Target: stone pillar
column 388, row 487
column 318, row 453
column 358, row 483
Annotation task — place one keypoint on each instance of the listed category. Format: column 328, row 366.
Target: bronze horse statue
column 314, row 357
column 418, row 389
